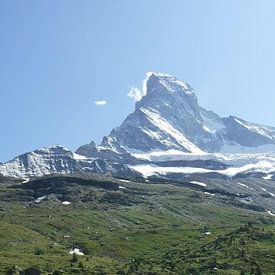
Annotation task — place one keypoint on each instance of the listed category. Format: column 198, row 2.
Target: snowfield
column 259, row 164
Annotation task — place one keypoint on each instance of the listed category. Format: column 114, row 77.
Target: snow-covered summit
column 169, row 116
column 169, row 80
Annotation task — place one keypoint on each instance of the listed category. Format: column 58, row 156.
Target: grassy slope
column 145, row 228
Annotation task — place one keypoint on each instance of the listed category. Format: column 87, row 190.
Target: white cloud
column 100, row 102
column 136, row 94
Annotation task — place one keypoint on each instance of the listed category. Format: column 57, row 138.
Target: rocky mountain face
column 55, row 159
column 167, row 119
column 51, row 160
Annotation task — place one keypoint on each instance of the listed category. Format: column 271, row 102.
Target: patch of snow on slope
column 236, row 160
column 259, row 129
column 79, row 157
column 211, row 123
column 198, row 183
column 122, row 180
column 244, row 185
column 268, row 177
column 166, row 127
column 270, row 213
column 149, row 170
column 38, row 200
column 168, row 155
column 76, row 251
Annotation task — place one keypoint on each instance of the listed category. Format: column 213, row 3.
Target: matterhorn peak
column 171, row 83
column 161, row 90
column 168, row 116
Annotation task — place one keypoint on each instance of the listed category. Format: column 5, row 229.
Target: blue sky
column 58, row 57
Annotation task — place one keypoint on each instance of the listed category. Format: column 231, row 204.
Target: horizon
column 64, row 66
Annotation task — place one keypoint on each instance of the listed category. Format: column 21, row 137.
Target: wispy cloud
column 100, row 102
column 136, row 94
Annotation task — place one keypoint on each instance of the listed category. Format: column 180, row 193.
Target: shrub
column 39, row 251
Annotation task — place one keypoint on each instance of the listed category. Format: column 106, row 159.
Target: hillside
column 130, row 227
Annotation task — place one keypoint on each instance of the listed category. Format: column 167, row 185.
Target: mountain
column 50, row 160
column 55, row 159
column 169, row 117
column 168, row 132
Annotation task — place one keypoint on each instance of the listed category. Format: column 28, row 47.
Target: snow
column 258, row 129
column 66, row 203
column 207, row 129
column 76, row 251
column 40, row 162
column 239, row 162
column 166, row 127
column 198, row 183
column 158, row 74
column 38, row 200
column 268, row 177
column 152, row 134
column 207, row 193
column 241, row 184
column 124, row 180
column 212, row 123
column 261, row 167
column 174, row 115
column 230, row 159
column 270, row 213
column 148, row 169
column 166, row 80
column 121, row 187
column 271, row 194
column 244, row 185
column 79, row 157
column 161, row 155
